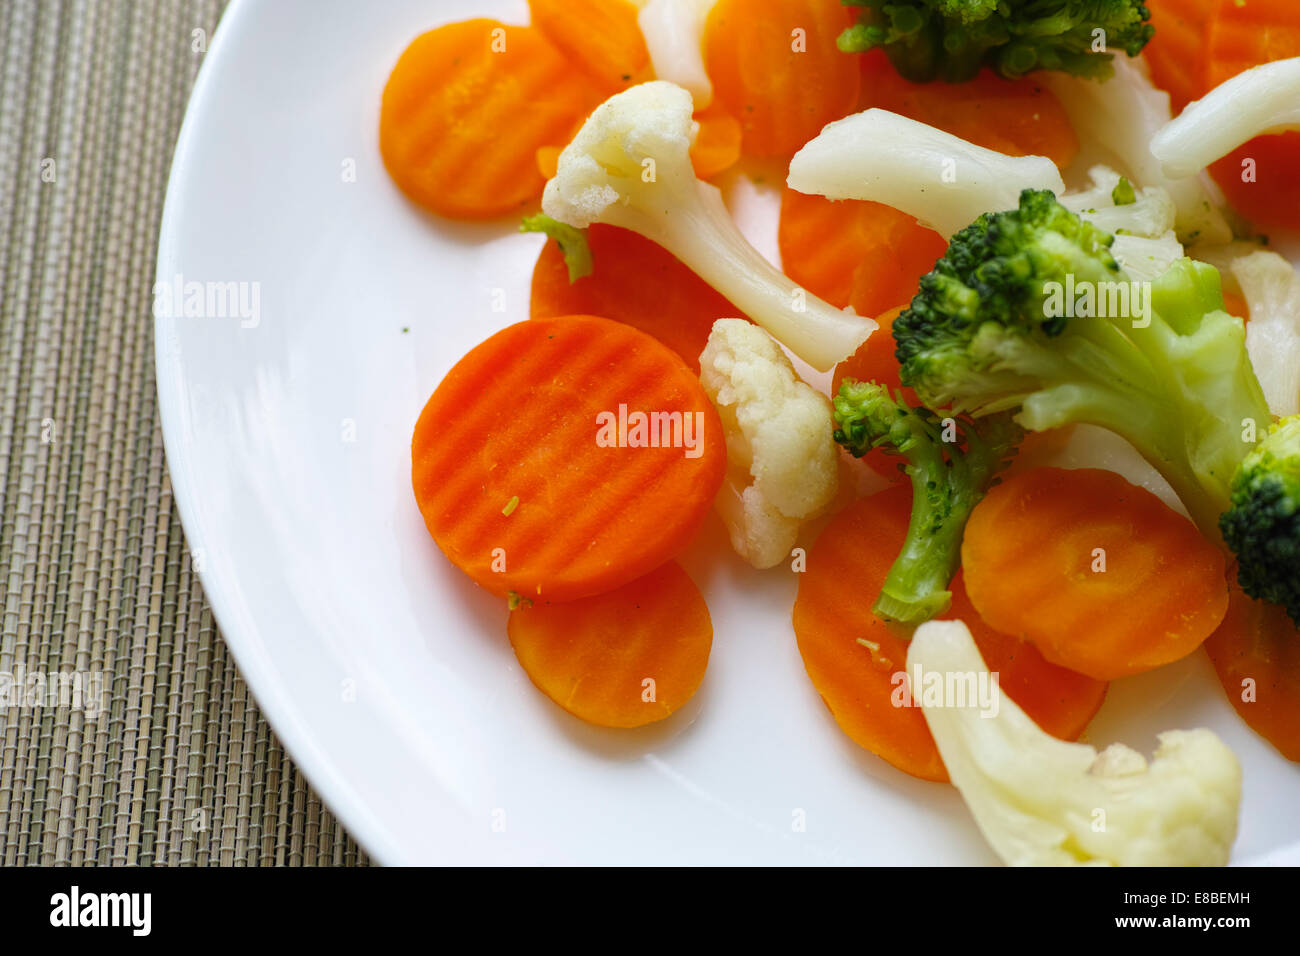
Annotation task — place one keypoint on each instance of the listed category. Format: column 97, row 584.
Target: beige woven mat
column 148, row 749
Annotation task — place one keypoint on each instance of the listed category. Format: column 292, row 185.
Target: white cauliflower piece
column 1272, row 290
column 1145, row 243
column 942, row 180
column 782, row 463
column 1040, row 801
column 1263, row 99
column 630, row 166
column 674, row 38
column 1122, row 114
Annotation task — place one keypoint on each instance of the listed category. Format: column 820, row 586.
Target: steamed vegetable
column 1102, row 577
column 564, row 457
column 630, row 166
column 1042, row 802
column 944, row 181
column 624, row 658
column 674, row 35
column 1263, row 525
column 950, row 464
column 953, row 39
column 782, row 464
column 1264, row 99
column 1271, row 287
column 600, row 37
column 992, row 330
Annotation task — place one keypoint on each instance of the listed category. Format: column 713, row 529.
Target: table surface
column 126, row 733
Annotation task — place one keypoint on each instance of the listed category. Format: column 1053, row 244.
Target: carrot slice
column 1256, row 653
column 466, row 109
column 850, row 252
column 1102, row 576
column 1177, row 54
column 1016, row 117
column 1261, row 178
column 637, row 282
column 625, row 658
column 858, row 681
column 775, row 67
column 600, row 37
column 528, row 486
column 717, row 145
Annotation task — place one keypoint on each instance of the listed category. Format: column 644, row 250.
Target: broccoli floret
column 1028, row 311
column 952, row 39
column 1263, row 525
column 951, row 463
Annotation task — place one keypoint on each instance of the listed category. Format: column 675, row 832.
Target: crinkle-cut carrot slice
column 1016, row 117
column 775, row 67
column 565, row 457
column 1256, row 653
column 855, row 660
column 635, row 281
column 601, row 37
column 624, row 658
column 1177, row 52
column 465, row 110
column 1101, row 576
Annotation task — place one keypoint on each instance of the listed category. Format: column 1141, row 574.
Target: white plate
column 384, row 672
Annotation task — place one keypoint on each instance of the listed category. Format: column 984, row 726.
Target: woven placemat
column 126, row 733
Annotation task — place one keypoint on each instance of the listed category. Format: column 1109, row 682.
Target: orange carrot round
column 1256, row 653
column 601, row 37
column 1176, row 54
column 465, row 110
column 775, row 67
column 1016, row 117
column 854, row 659
column 1261, row 178
column 1101, row 576
column 634, row 281
column 625, row 658
column 565, row 457
column 850, row 252
column 717, row 145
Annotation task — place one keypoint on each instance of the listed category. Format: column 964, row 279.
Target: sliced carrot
column 466, row 109
column 625, row 658
column 1176, row 54
column 528, row 486
column 775, row 67
column 634, row 281
column 717, row 145
column 600, row 37
column 1256, row 653
column 1101, row 576
column 864, row 254
column 1016, row 117
column 1260, row 178
column 859, row 681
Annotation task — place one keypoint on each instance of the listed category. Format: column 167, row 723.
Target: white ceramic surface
column 385, row 673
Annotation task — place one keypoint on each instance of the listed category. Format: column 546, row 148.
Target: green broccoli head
column 951, row 463
column 1029, row 312
column 953, row 39
column 1263, row 525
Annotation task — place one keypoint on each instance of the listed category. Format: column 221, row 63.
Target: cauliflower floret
column 782, row 462
column 1145, row 243
column 1263, row 99
column 1122, row 114
column 674, row 38
column 630, row 166
column 1043, row 802
column 941, row 179
column 1272, row 290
